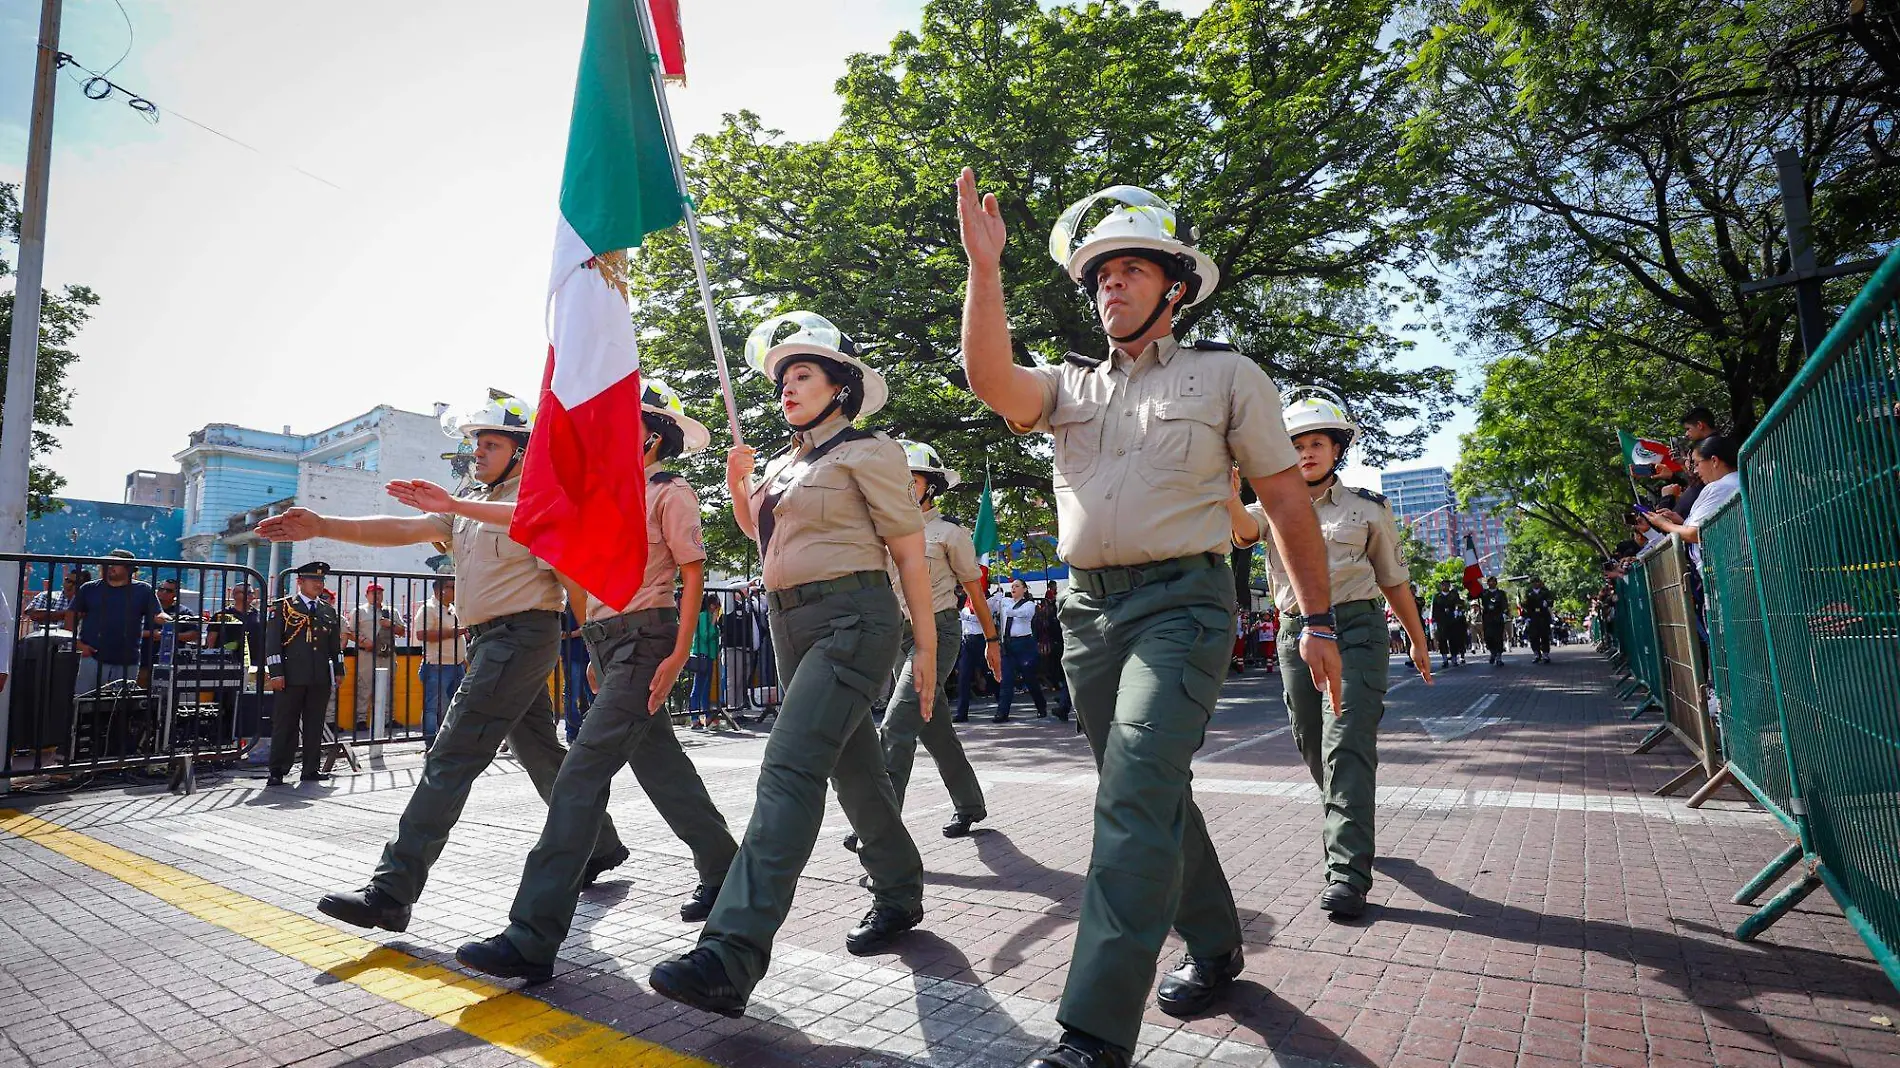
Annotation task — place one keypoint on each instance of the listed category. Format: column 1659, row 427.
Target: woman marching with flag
column 825, row 514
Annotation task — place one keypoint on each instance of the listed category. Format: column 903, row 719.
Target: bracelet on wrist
column 1326, row 634
column 992, row 640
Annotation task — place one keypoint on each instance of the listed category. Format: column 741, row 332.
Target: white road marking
column 1449, row 728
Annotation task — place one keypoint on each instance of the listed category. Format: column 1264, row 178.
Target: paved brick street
column 1536, row 906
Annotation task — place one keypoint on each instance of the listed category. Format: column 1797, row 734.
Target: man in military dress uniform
column 1448, row 612
column 1539, row 606
column 302, row 641
column 1145, row 438
column 1494, row 609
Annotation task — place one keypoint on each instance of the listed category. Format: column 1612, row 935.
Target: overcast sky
column 236, row 289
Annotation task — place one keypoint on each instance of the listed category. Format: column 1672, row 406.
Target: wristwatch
column 1319, row 619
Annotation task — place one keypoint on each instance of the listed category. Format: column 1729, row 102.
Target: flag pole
column 692, row 216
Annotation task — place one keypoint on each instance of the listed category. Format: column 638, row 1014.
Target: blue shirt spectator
column 113, row 617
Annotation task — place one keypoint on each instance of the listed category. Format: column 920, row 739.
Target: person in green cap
column 637, row 654
column 1341, row 749
column 951, row 554
column 1145, row 438
column 825, row 515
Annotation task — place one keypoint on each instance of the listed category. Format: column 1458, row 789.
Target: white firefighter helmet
column 1138, row 221
column 812, row 335
column 925, row 461
column 503, row 414
column 658, row 397
column 1311, row 408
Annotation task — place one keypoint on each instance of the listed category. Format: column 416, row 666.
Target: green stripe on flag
column 617, row 183
column 985, row 533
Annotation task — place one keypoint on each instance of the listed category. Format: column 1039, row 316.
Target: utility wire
column 131, row 38
column 96, row 86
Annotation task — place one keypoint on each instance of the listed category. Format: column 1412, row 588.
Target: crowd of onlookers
column 1682, row 503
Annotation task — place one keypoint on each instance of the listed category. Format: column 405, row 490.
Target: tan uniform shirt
column 1143, row 448
column 434, row 615
column 372, row 627
column 833, row 516
column 673, row 538
column 1362, row 548
column 951, row 555
column 494, row 574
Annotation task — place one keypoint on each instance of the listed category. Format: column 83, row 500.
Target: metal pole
column 692, row 217
column 1801, row 262
column 16, row 436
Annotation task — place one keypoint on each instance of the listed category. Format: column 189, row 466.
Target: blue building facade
column 95, row 528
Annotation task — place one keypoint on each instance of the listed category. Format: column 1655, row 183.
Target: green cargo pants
column 1342, row 752
column 833, row 639
column 904, row 728
column 504, row 695
column 618, row 731
column 1145, row 666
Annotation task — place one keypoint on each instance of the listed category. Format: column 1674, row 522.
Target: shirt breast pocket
column 1077, row 427
column 826, row 491
column 1184, row 434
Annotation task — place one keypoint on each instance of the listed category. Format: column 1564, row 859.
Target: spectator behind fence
column 112, row 617
column 444, row 654
column 1716, row 462
column 48, row 608
column 576, row 694
column 703, row 659
column 1698, row 424
column 373, row 629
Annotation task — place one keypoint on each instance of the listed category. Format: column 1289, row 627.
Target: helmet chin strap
column 1330, row 476
column 837, row 401
column 513, row 461
column 1160, row 306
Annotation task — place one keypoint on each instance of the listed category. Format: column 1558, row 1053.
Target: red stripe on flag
column 583, row 490
column 672, row 37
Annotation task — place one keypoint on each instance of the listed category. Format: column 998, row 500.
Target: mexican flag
column 1474, row 572
column 1646, row 458
column 583, row 486
column 985, row 533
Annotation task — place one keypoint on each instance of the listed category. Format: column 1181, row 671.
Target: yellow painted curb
column 526, row 1027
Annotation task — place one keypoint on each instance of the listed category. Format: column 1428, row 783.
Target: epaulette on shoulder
column 1087, row 363
column 658, row 477
column 1375, row 498
column 946, row 519
column 1208, row 345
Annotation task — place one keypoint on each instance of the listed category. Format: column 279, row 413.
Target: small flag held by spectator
column 1647, row 458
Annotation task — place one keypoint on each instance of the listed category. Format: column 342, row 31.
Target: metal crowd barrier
column 1802, row 583
column 1641, row 652
column 141, row 693
column 1679, row 683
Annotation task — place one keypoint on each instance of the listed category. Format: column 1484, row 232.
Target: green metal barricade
column 1749, row 716
column 1821, row 501
column 1681, row 665
column 1638, row 618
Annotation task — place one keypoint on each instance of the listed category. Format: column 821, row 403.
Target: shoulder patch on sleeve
column 1375, row 498
column 1076, row 359
column 1209, row 345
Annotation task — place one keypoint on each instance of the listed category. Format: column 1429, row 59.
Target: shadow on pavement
column 1713, row 975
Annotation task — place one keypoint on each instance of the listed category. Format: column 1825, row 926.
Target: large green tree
column 1545, row 440
column 62, row 314
column 1608, row 175
column 1273, row 128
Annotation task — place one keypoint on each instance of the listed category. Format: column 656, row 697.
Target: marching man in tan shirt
column 511, row 604
column 1144, row 439
column 637, row 655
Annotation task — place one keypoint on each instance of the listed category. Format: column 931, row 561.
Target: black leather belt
column 1108, row 581
column 806, row 593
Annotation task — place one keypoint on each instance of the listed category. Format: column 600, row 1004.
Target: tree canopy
column 62, row 314
column 1270, row 128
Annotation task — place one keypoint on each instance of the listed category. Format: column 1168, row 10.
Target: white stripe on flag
column 592, row 332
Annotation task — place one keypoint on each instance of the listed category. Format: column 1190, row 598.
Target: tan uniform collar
column 931, row 514
column 1163, row 348
column 484, row 491
column 823, row 432
column 1331, row 496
